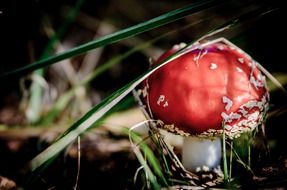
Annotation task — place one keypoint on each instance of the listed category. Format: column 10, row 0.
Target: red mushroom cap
column 207, row 86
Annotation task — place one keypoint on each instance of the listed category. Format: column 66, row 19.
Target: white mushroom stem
column 201, row 154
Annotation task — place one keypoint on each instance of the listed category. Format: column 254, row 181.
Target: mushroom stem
column 201, row 154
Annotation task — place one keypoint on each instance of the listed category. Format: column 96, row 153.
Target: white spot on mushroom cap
column 227, row 127
column 228, row 103
column 220, row 47
column 239, row 69
column 213, row 66
column 256, row 83
column 253, row 116
column 224, row 116
column 229, row 118
column 235, row 116
column 160, row 99
column 251, row 104
column 243, row 111
column 165, row 104
column 241, row 60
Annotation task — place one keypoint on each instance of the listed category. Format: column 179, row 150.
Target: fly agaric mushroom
column 209, row 89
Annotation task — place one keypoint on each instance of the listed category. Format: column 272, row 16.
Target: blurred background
column 36, row 107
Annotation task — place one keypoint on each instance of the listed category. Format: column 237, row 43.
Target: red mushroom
column 207, row 87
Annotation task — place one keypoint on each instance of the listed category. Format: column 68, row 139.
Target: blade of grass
column 117, row 36
column 151, row 158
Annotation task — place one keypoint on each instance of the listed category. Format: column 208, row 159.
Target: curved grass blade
column 117, row 36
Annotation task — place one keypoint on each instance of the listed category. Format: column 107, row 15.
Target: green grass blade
column 150, row 157
column 117, row 36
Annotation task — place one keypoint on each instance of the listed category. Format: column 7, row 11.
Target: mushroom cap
column 208, row 86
